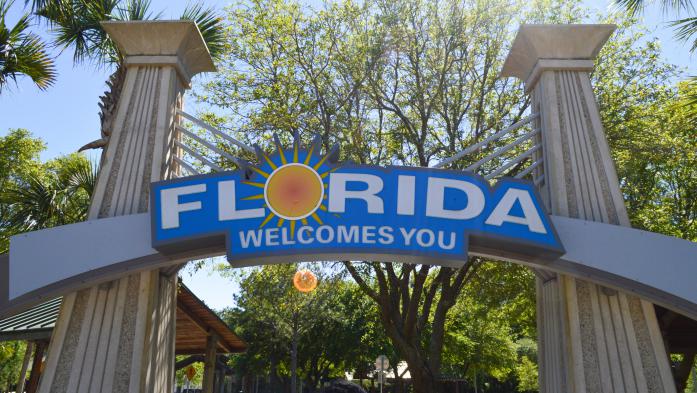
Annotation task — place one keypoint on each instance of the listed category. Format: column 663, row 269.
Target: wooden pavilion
column 200, row 333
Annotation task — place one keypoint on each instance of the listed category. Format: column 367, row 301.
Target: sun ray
column 323, row 208
column 281, row 153
column 280, row 222
column 259, row 171
column 320, row 162
column 254, row 184
column 292, row 229
column 295, row 151
column 271, row 163
column 309, row 155
column 253, row 197
column 267, row 219
column 324, row 175
column 316, row 217
column 304, row 221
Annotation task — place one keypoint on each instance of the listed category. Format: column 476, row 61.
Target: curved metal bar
column 529, row 169
column 502, row 150
column 210, row 145
column 186, row 166
column 198, row 156
column 215, row 131
column 510, row 163
column 470, row 149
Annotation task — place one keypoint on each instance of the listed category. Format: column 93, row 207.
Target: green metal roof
column 33, row 324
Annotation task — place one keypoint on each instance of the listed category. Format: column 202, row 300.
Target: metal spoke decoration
column 522, row 157
column 203, row 151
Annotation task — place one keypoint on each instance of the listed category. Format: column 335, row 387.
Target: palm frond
column 676, row 6
column 686, row 29
column 137, row 10
column 211, row 26
column 33, row 61
column 635, row 7
column 31, row 206
column 23, row 53
column 83, row 178
column 689, row 99
column 76, row 23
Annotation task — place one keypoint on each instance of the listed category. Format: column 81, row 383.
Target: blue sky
column 66, row 115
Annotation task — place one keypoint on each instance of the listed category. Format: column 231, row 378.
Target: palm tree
column 22, row 52
column 685, row 30
column 76, row 25
column 686, row 27
column 59, row 195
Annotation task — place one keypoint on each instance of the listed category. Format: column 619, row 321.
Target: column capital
column 176, row 43
column 540, row 47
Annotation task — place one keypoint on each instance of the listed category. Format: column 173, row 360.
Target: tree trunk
column 294, row 356
column 424, row 382
column 276, row 383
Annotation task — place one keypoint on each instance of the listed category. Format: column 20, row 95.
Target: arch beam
column 88, row 258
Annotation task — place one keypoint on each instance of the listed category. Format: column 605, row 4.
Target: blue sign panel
column 299, row 205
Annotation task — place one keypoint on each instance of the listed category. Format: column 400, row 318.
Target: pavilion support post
column 209, row 362
column 25, row 365
column 36, row 366
column 591, row 338
column 118, row 336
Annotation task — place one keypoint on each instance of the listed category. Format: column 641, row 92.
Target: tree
column 685, row 30
column 59, row 195
column 327, row 331
column 76, row 24
column 11, row 354
column 394, row 83
column 407, row 84
column 19, row 160
column 491, row 324
column 36, row 195
column 22, row 52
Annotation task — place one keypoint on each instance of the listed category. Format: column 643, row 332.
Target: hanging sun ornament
column 294, row 182
column 305, row 281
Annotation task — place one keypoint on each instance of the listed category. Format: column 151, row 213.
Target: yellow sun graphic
column 294, row 191
column 294, row 183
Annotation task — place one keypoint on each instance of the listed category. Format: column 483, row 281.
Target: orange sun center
column 294, row 191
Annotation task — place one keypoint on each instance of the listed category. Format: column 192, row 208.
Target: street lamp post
column 382, row 363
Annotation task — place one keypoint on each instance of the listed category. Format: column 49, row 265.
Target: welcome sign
column 299, row 205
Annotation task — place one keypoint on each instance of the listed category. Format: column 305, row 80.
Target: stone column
column 119, row 336
column 591, row 338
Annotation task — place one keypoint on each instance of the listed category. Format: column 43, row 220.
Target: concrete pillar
column 119, row 336
column 591, row 338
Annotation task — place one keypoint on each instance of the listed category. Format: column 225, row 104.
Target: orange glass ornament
column 190, row 373
column 305, row 281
